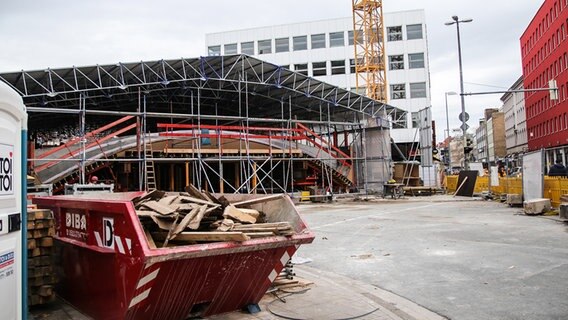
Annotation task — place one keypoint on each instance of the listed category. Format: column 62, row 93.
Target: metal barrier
column 554, row 187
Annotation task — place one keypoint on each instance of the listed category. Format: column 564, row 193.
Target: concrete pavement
column 424, row 258
column 333, row 296
column 462, row 259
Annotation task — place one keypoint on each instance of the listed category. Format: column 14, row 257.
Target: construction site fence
column 554, row 187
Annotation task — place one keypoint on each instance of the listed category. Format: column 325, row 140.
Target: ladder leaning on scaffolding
column 150, row 174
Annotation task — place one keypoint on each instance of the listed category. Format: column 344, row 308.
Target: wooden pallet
column 41, row 270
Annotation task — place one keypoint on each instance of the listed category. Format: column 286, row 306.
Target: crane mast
column 368, row 40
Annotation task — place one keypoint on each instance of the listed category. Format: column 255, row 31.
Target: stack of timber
column 41, row 272
column 195, row 216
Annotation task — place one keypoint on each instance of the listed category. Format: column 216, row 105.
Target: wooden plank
column 32, row 244
column 39, row 214
column 40, row 233
column 275, row 230
column 46, row 242
column 224, row 202
column 206, row 236
column 196, row 200
column 42, row 280
column 35, row 252
column 42, row 224
column 161, row 209
column 251, row 212
column 211, row 197
column 145, row 213
column 236, row 214
column 185, row 221
column 194, row 223
column 167, row 200
column 226, row 225
column 187, row 206
column 40, row 271
column 152, row 195
column 259, row 234
column 46, row 251
column 266, row 225
column 151, row 242
column 258, row 200
column 192, row 190
column 169, row 236
column 162, row 224
column 231, row 151
column 278, row 282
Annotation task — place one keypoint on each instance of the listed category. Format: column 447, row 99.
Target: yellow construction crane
column 369, row 43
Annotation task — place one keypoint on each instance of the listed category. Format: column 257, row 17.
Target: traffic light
column 468, row 146
column 553, row 89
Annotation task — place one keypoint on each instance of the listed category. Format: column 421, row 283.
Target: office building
column 324, row 50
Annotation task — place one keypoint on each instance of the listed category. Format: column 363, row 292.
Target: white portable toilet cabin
column 13, row 246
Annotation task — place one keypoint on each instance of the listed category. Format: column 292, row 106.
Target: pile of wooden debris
column 195, row 217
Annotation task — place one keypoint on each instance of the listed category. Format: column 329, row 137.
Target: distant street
column 461, row 259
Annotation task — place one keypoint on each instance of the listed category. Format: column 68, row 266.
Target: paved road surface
column 462, row 259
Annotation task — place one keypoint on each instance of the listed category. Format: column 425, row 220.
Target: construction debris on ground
column 195, row 216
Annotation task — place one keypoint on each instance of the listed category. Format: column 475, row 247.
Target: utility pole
column 457, row 22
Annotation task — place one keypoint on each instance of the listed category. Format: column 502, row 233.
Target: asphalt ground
column 460, row 258
column 419, row 258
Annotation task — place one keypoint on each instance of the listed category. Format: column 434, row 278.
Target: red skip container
column 108, row 271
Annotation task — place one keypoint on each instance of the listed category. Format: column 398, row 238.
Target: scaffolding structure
column 224, row 124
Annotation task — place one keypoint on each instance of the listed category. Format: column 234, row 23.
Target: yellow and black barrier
column 554, row 187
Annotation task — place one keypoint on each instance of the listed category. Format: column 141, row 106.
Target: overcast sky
column 57, row 33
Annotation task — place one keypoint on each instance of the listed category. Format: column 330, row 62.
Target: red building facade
column 544, row 51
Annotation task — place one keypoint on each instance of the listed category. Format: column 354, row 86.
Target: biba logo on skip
column 6, row 169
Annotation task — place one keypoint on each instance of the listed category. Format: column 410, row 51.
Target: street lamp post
column 451, row 93
column 457, row 22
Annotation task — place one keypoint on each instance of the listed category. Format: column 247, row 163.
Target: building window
column 398, row 120
column 231, row 48
column 318, row 41
column 416, row 60
column 319, row 68
column 396, row 62
column 414, row 31
column 418, row 90
column 338, row 67
column 300, row 43
column 398, row 91
column 394, row 33
column 351, row 35
column 247, row 48
column 301, row 68
column 282, row 45
column 352, row 66
column 264, row 46
column 415, row 119
column 350, row 40
column 214, row 50
column 337, row 39
column 285, row 66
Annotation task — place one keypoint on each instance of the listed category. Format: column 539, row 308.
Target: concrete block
column 514, row 199
column 563, row 211
column 537, row 206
